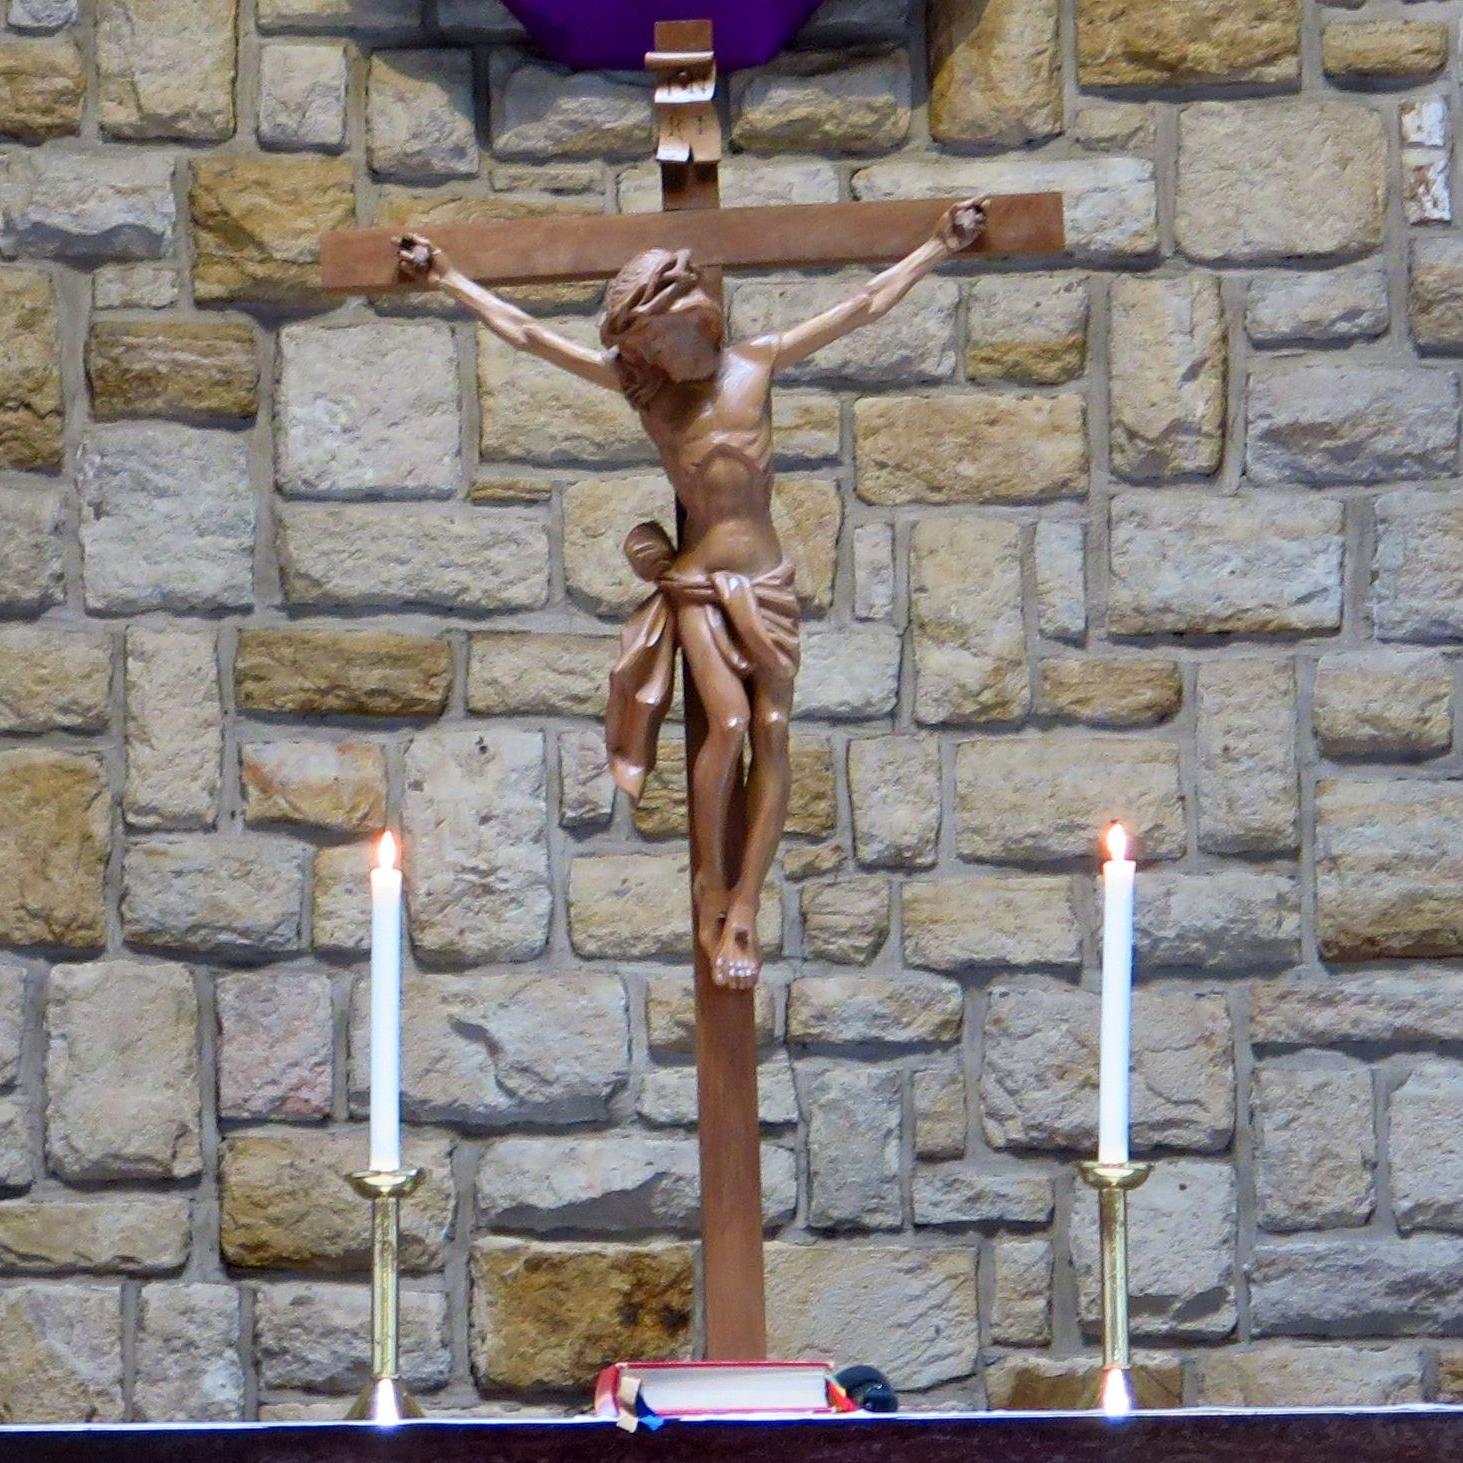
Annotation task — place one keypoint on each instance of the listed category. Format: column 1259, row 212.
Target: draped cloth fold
column 753, row 622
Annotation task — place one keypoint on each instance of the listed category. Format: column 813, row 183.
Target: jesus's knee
column 728, row 726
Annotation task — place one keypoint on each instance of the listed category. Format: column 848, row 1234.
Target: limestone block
column 1435, row 294
column 510, row 673
column 54, row 680
column 873, row 1010
column 1322, row 194
column 1187, row 42
column 12, row 1020
column 1425, row 1152
column 335, row 785
column 823, row 102
column 61, row 1353
column 1022, row 1301
column 340, row 895
column 1323, row 307
column 969, row 636
column 668, row 1096
column 980, row 921
column 854, row 1126
column 1407, row 1009
column 134, row 286
column 546, row 1315
column 586, row 790
column 952, row 1196
column 995, row 71
column 165, row 68
column 302, row 96
column 938, row 1094
column 122, row 1026
column 257, row 224
column 1181, row 1249
column 1038, row 1087
column 42, row 88
column 473, row 819
column 1027, row 328
column 1166, row 365
column 179, row 369
column 1417, row 572
column 1383, row 704
column 849, row 672
column 372, row 19
column 174, row 729
column 1221, row 919
column 168, row 520
column 32, row 573
column 329, row 672
column 1321, row 423
column 1284, row 1374
column 1315, row 1150
column 419, row 114
column 79, row 205
column 979, row 447
column 32, row 417
column 1061, row 579
column 873, row 571
column 547, row 112
column 1110, row 691
column 284, row 1203
column 55, row 822
column 188, row 1354
column 275, row 1033
column 1043, row 798
column 474, row 1052
column 1247, row 778
column 894, row 790
column 1260, row 563
column 1397, row 50
column 1115, row 126
column 129, row 1235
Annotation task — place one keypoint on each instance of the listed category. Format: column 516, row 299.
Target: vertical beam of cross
column 733, row 1290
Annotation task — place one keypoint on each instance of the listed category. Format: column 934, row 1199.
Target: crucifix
column 724, row 595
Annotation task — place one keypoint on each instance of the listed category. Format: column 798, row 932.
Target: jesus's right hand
column 418, row 261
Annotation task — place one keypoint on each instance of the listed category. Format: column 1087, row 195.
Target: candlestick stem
column 1113, row 1181
column 385, row 1398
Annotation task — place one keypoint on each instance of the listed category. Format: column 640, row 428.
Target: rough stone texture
column 1249, row 798
column 510, row 673
column 938, row 1095
column 188, row 1354
column 977, row 921
column 1289, row 1375
column 172, row 369
column 302, row 96
column 32, row 575
column 12, row 1020
column 1166, row 366
column 546, row 1315
column 79, row 205
column 44, row 88
column 31, row 415
column 848, row 672
column 894, row 787
column 874, row 1010
column 1215, row 41
column 1030, row 329
column 257, row 224
column 131, row 1235
column 1315, row 422
column 670, row 1015
column 846, row 921
column 55, row 814
column 965, row 604
column 1314, row 1146
column 473, row 819
column 854, row 1124
column 54, row 680
column 1227, row 919
column 1383, row 704
column 1042, row 798
column 543, row 110
column 174, row 721
column 1387, row 863
column 169, row 518
column 1426, row 1156
column 1418, row 570
column 668, row 1096
column 995, row 74
column 586, row 790
column 1320, row 193
column 1400, row 50
column 165, row 68
column 114, row 1026
column 950, row 1196
column 328, row 672
column 822, row 102
column 340, row 898
column 1021, row 1302
column 1061, row 579
column 17, row 1163
column 335, row 785
column 1435, row 294
column 1186, row 561
column 1114, row 692
column 983, row 448
column 911, row 1311
column 134, row 286
column 1337, row 305
column 1360, row 1008
column 284, row 1203
column 1038, row 1087
column 275, row 1031
column 61, row 1353
column 419, row 115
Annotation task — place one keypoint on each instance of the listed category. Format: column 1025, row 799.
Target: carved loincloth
column 753, row 623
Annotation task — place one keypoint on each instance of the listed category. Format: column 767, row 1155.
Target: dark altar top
column 1370, row 1435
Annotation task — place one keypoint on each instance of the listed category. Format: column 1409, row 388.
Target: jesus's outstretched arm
column 960, row 227
column 429, row 266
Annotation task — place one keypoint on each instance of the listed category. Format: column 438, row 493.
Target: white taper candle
column 386, row 1009
column 1118, row 878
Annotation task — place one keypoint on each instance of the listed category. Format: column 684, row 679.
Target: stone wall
column 1172, row 533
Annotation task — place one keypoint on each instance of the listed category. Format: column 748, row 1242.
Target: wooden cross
column 558, row 249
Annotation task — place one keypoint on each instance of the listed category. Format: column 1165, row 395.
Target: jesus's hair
column 646, row 287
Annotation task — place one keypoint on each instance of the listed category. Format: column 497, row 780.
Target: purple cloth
column 616, row 34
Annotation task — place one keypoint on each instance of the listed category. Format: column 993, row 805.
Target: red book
column 635, row 1392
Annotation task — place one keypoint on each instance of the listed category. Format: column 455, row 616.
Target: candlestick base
column 1117, row 1394
column 386, row 1399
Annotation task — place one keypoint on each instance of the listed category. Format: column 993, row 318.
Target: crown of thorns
column 649, row 286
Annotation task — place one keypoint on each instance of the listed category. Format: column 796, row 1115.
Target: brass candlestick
column 385, row 1399
column 1113, row 1181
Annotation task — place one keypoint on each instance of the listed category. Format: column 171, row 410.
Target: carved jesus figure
column 726, row 596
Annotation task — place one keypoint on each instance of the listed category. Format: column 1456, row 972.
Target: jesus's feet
column 738, row 959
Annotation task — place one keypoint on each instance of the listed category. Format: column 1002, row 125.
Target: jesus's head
column 660, row 323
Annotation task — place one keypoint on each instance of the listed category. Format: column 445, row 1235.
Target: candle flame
column 386, row 851
column 1115, row 1399
column 1117, row 842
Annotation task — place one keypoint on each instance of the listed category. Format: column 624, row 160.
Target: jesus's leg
column 717, row 765
column 738, row 959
